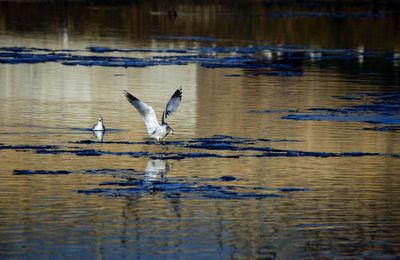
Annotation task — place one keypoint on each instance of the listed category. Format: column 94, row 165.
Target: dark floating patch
column 394, row 128
column 136, row 183
column 88, row 153
column 81, row 129
column 239, row 196
column 107, row 50
column 184, row 188
column 32, row 172
column 28, row 147
column 228, row 178
column 79, row 152
column 237, row 147
column 288, row 189
column 100, row 49
column 379, row 109
column 294, row 153
column 248, row 62
column 85, row 142
column 280, row 73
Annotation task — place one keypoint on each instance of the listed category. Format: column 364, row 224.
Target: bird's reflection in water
column 154, row 175
column 156, row 170
column 99, row 135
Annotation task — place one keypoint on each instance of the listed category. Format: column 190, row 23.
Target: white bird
column 99, row 126
column 154, row 129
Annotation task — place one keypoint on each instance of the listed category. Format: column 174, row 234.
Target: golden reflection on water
column 350, row 204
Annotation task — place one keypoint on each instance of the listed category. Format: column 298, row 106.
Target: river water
column 285, row 145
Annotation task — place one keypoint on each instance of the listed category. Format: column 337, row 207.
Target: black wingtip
column 178, row 93
column 130, row 97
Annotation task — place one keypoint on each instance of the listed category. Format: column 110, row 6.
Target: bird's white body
column 154, row 129
column 99, row 126
column 159, row 133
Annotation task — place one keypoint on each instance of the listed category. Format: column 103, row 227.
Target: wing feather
column 172, row 104
column 146, row 112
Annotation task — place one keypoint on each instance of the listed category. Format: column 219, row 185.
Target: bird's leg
column 165, row 147
column 163, row 177
column 162, row 142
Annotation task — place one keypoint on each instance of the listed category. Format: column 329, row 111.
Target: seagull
column 99, row 126
column 154, row 129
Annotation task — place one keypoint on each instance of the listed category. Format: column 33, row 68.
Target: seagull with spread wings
column 154, row 129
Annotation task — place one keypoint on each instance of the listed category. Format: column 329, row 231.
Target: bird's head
column 170, row 130
column 100, row 119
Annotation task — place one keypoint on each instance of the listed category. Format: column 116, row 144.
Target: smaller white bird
column 99, row 126
column 154, row 129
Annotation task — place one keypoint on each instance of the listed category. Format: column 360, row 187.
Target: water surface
column 285, row 145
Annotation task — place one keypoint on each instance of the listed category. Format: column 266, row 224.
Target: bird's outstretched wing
column 146, row 112
column 172, row 104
